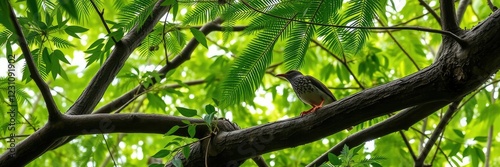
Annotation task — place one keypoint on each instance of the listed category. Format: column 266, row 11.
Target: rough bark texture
column 459, row 70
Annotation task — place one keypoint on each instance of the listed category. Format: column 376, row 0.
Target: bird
column 309, row 90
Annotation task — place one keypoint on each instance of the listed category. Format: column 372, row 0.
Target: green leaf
column 334, row 160
column 375, row 164
column 199, row 36
column 5, row 15
column 69, row 6
column 172, row 130
column 186, row 122
column 156, row 165
column 208, row 119
column 186, row 111
column 191, row 130
column 459, row 133
column 177, row 162
column 156, row 101
column 33, row 7
column 186, row 151
column 209, row 109
column 72, row 30
column 481, row 138
column 161, row 153
column 60, row 55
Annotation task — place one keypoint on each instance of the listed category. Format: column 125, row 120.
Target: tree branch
column 401, row 121
column 399, row 45
column 447, row 33
column 431, row 11
column 183, row 56
column 448, row 19
column 123, row 48
column 437, row 132
column 54, row 113
column 344, row 63
column 101, row 16
column 462, row 6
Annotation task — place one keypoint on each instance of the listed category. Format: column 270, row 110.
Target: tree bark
column 459, row 70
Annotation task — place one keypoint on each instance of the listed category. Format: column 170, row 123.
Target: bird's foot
column 309, row 111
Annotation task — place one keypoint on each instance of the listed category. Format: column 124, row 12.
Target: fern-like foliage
column 21, row 95
column 245, row 74
column 295, row 21
column 135, row 13
column 360, row 13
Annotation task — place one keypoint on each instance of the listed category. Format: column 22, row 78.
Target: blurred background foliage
column 237, row 69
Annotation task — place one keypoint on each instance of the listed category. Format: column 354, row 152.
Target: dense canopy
column 193, row 82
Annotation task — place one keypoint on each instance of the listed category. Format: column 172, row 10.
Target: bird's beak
column 281, row 75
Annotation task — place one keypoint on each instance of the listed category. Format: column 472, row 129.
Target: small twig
column 492, row 7
column 206, row 151
column 488, row 147
column 399, row 45
column 54, row 113
column 101, row 16
column 438, row 146
column 340, row 60
column 431, row 11
column 462, row 6
column 408, row 145
column 415, row 18
column 109, row 151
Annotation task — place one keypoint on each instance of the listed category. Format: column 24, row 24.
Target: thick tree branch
column 123, row 48
column 455, row 74
column 54, row 113
column 401, row 121
column 448, row 19
column 437, row 132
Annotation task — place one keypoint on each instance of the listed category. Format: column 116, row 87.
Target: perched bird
column 309, row 90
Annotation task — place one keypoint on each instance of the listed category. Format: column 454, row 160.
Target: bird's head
column 290, row 74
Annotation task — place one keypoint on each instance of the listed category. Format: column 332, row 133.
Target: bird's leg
column 313, row 109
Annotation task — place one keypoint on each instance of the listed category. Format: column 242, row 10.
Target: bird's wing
column 321, row 86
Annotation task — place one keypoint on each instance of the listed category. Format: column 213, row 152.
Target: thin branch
column 408, row 145
column 109, row 150
column 399, row 45
column 492, row 7
column 488, row 147
column 94, row 91
column 340, row 60
column 183, row 56
column 415, row 18
column 54, row 113
column 400, row 121
column 438, row 148
column 101, row 16
column 462, row 6
column 437, row 132
column 431, row 11
column 447, row 33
